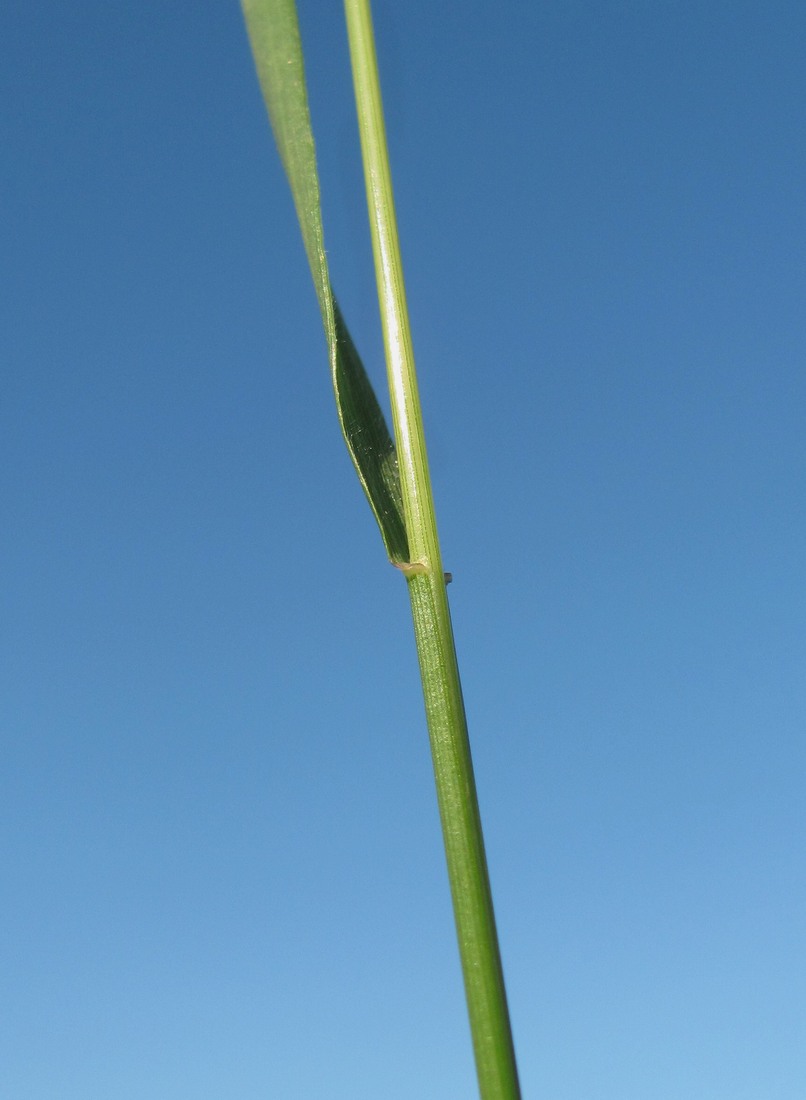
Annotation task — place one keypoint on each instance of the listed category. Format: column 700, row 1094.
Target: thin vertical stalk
column 447, row 726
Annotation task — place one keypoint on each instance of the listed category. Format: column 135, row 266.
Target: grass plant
column 396, row 480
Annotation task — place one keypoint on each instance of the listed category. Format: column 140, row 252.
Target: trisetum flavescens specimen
column 397, row 484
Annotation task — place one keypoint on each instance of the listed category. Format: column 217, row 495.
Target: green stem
column 447, row 726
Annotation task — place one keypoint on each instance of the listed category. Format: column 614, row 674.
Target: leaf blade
column 273, row 30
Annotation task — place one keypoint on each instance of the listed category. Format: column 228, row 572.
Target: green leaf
column 274, row 36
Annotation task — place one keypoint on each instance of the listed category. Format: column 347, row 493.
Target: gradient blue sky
column 222, row 872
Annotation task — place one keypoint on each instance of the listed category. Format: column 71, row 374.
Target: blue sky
column 221, row 862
